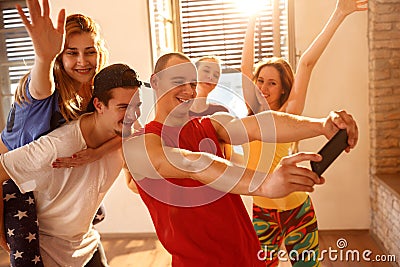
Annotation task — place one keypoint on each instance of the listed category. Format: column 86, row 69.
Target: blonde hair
column 69, row 101
column 205, row 58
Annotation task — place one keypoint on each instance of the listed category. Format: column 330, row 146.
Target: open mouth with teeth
column 265, row 96
column 83, row 71
column 184, row 101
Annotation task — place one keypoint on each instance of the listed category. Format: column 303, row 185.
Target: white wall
column 339, row 81
column 124, row 25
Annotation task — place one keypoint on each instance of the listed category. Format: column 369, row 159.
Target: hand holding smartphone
column 330, row 152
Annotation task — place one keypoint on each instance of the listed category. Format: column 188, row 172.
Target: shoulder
column 140, row 151
column 68, row 138
column 217, row 108
column 68, row 129
column 221, row 118
column 221, row 121
column 137, row 143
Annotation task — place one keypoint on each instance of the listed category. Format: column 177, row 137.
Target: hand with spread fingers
column 47, row 40
column 88, row 155
column 78, row 159
column 349, row 6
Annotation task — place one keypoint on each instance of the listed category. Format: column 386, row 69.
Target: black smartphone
column 330, row 151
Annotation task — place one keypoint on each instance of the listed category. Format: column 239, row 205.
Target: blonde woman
column 289, row 221
column 56, row 90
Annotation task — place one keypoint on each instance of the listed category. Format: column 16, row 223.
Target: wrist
column 339, row 15
column 320, row 127
column 42, row 60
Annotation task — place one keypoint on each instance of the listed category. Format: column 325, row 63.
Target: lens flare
column 251, row 7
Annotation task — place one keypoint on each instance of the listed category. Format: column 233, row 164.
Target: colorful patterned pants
column 296, row 229
column 22, row 227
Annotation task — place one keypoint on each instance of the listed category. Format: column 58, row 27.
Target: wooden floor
column 146, row 250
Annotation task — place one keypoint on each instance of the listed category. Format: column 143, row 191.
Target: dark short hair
column 113, row 76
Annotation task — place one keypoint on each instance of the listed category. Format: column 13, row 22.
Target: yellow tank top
column 265, row 157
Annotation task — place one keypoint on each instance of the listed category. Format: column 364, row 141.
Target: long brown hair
column 285, row 72
column 69, row 101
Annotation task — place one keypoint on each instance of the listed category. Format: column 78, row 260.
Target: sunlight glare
column 251, row 7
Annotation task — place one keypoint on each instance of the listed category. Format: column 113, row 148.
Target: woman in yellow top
column 288, row 221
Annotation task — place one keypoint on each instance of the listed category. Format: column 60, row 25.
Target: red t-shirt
column 198, row 225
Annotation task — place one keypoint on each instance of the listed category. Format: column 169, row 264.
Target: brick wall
column 385, row 224
column 384, row 89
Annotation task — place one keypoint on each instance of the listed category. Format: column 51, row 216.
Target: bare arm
column 3, row 148
column 88, row 155
column 297, row 97
column 274, row 126
column 147, row 157
column 129, row 180
column 247, row 65
column 48, row 43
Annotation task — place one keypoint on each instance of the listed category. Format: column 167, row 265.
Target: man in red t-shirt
column 192, row 191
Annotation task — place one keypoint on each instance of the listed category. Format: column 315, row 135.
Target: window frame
column 6, row 94
column 177, row 33
column 171, row 19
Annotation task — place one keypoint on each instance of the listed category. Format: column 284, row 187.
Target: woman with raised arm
column 288, row 222
column 57, row 89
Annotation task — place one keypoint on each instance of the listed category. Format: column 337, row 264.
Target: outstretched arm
column 48, row 43
column 297, row 97
column 247, row 66
column 147, row 157
column 88, row 155
column 279, row 127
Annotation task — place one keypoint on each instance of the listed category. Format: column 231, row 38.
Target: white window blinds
column 217, row 27
column 16, row 52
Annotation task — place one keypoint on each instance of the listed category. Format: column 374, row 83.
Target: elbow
column 41, row 94
column 306, row 63
column 3, row 174
column 159, row 170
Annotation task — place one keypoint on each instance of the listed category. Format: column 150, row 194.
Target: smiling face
column 270, row 85
column 274, row 78
column 209, row 72
column 175, row 88
column 122, row 99
column 80, row 57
